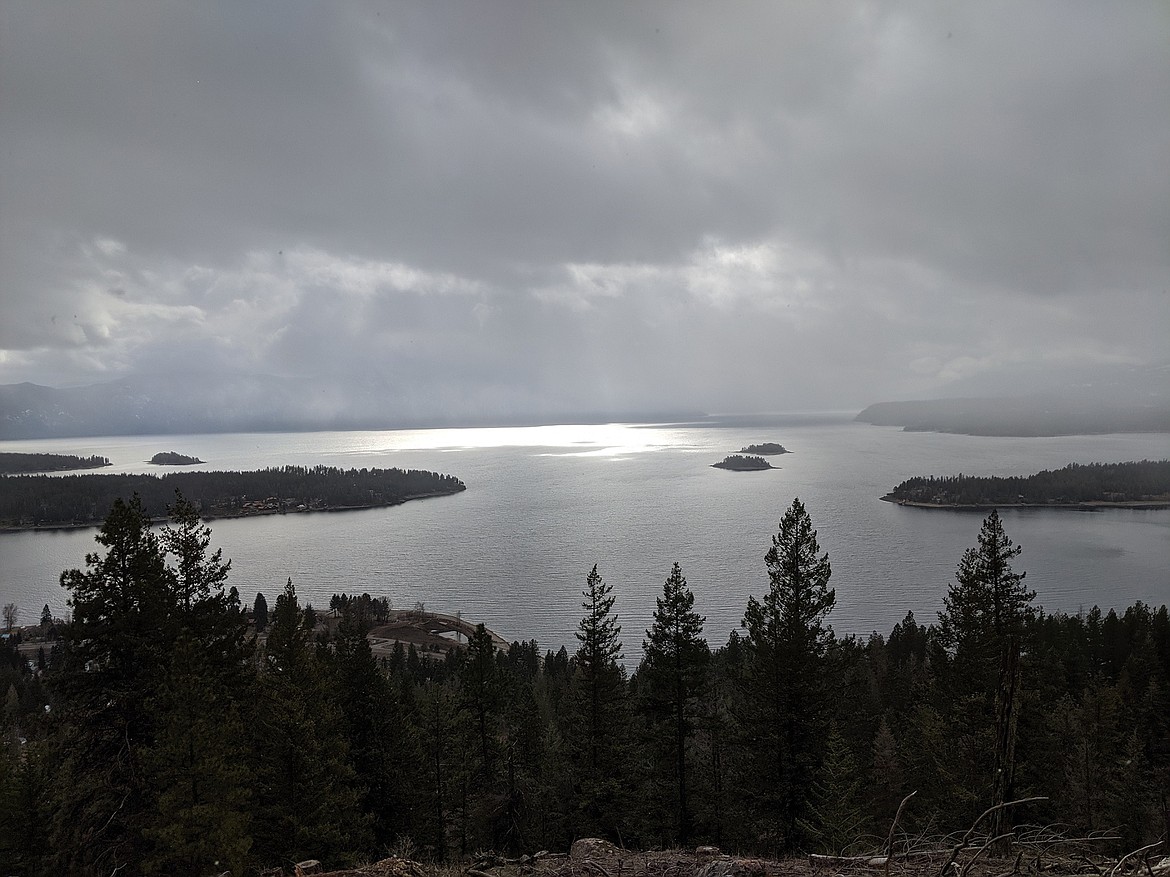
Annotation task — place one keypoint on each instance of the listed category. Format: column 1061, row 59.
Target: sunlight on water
column 598, row 440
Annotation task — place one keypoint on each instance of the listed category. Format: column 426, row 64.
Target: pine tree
column 988, row 604
column 436, row 717
column 985, row 617
column 481, row 688
column 155, row 667
column 378, row 744
column 116, row 648
column 197, row 769
column 672, row 678
column 602, row 676
column 195, row 763
column 307, row 796
column 600, row 721
column 836, row 812
column 260, row 613
column 786, row 687
column 886, row 775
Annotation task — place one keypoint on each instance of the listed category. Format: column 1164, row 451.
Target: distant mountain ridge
column 147, row 405
column 129, row 407
column 1034, row 415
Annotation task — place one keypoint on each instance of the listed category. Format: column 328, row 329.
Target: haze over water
column 545, row 503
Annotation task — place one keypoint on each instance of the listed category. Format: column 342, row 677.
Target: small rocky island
column 765, row 449
column 743, row 463
column 171, row 458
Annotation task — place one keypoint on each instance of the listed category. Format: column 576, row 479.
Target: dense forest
column 1144, row 481
column 14, row 464
column 170, row 732
column 43, row 500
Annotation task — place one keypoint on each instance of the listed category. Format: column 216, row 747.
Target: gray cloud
column 522, row 208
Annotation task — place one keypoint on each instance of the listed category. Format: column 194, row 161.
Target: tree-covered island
column 15, row 464
column 743, row 463
column 29, row 501
column 765, row 449
column 1143, row 484
column 173, row 458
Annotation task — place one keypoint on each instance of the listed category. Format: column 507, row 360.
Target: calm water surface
column 544, row 504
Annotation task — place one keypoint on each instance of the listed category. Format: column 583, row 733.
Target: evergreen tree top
column 988, row 600
column 598, row 631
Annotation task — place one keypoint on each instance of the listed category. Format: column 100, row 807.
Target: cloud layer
column 519, row 208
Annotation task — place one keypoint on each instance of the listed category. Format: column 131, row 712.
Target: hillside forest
column 68, row 500
column 169, row 728
column 1144, row 481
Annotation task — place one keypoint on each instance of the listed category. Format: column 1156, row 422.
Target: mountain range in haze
column 253, row 403
column 1109, row 400
column 1124, row 400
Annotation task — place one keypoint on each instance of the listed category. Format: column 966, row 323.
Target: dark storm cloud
column 527, row 207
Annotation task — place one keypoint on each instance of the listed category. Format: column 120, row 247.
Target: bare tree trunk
column 1006, row 722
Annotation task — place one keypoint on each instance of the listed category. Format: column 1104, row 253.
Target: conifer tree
column 260, row 613
column 380, row 749
column 785, row 708
column 601, row 675
column 197, row 769
column 836, row 811
column 481, row 687
column 307, row 794
column 672, row 678
column 116, row 646
column 988, row 604
column 600, row 727
column 155, row 666
column 886, row 775
column 196, row 762
column 985, row 617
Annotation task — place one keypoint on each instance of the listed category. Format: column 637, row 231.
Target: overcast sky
column 527, row 207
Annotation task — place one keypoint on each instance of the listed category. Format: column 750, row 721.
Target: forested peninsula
column 1143, row 484
column 30, row 501
column 14, row 464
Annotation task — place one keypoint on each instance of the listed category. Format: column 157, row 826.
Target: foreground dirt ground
column 591, row 857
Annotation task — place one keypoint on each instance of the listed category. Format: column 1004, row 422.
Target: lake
column 545, row 503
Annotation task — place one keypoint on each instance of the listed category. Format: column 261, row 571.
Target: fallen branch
column 487, row 861
column 817, row 860
column 963, row 844
column 872, row 861
column 1136, row 852
column 893, row 827
column 981, row 851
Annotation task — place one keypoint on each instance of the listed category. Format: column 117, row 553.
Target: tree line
column 1075, row 483
column 165, row 736
column 44, row 500
column 14, row 463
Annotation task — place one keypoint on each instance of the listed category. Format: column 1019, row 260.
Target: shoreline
column 1090, row 506
column 250, row 513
